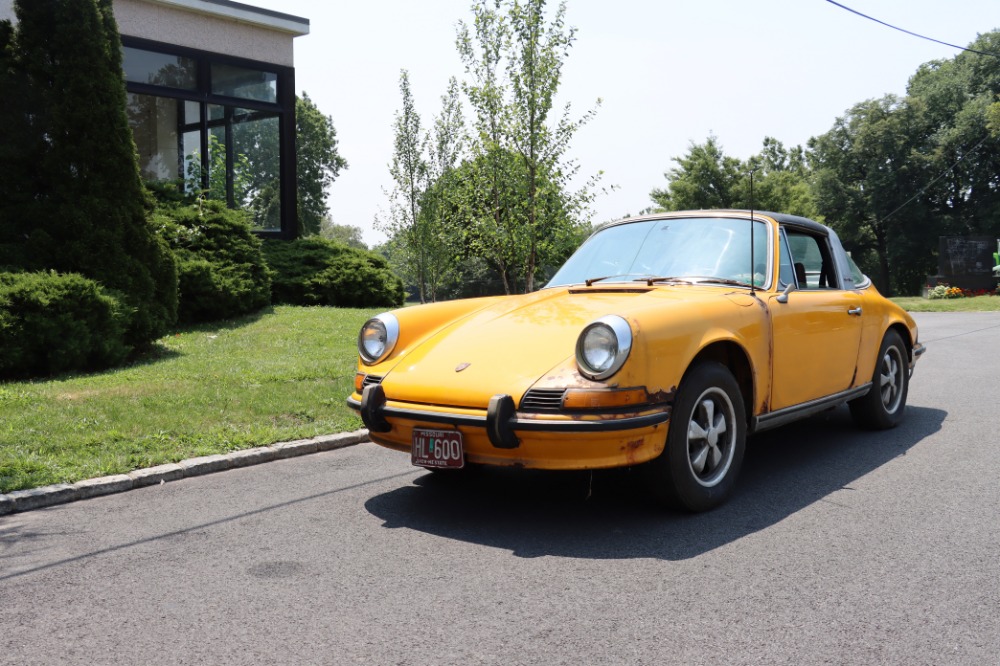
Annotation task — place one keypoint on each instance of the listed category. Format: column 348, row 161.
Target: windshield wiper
column 590, row 281
column 695, row 279
column 650, row 280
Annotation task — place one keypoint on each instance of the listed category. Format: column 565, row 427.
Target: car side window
column 812, row 261
column 786, row 271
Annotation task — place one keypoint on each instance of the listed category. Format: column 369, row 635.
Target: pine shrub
column 71, row 198
column 316, row 271
column 221, row 269
column 52, row 323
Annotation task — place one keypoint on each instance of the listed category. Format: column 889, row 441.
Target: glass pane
column 192, row 162
column 192, row 112
column 154, row 127
column 161, row 69
column 217, row 166
column 257, row 167
column 242, row 82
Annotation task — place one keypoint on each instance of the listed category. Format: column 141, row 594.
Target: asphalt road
column 840, row 547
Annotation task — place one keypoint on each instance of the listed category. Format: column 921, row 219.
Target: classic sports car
column 664, row 340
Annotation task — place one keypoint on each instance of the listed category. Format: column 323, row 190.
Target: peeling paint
column 665, row 397
column 630, row 449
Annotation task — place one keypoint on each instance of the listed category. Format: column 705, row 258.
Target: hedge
column 221, row 269
column 52, row 323
column 316, row 271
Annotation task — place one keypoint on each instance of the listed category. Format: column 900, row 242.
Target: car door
column 816, row 332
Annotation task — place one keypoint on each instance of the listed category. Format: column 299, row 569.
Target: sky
column 669, row 73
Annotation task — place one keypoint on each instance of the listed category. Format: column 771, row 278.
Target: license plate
column 437, row 449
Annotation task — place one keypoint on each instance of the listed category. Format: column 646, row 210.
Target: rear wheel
column 706, row 441
column 882, row 407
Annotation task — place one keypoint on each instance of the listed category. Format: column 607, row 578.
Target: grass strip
column 971, row 304
column 280, row 375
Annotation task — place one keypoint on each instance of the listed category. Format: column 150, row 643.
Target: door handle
column 855, row 311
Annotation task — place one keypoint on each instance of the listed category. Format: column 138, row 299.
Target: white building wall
column 205, row 26
column 163, row 23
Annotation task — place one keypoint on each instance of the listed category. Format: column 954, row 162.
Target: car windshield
column 687, row 249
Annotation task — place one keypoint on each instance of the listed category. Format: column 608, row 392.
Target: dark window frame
column 284, row 108
column 829, row 273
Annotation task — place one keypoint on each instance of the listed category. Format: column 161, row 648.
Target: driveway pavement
column 840, row 547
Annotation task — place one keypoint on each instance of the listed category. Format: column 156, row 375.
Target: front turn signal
column 605, row 398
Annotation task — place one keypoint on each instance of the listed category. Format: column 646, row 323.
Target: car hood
column 512, row 343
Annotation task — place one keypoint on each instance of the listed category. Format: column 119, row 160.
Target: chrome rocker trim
column 796, row 412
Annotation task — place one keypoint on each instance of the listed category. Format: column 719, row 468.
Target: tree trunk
column 882, row 247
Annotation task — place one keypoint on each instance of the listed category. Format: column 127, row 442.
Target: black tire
column 706, row 441
column 883, row 406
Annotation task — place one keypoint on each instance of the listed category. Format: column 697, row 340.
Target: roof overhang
column 238, row 11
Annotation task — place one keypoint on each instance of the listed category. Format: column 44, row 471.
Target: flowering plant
column 944, row 290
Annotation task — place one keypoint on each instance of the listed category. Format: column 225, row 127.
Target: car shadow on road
column 606, row 515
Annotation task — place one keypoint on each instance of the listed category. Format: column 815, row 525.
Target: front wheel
column 882, row 407
column 706, row 441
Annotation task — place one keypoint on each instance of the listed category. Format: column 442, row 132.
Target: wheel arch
column 735, row 358
column 904, row 334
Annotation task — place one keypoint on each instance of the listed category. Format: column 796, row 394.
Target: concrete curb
column 39, row 498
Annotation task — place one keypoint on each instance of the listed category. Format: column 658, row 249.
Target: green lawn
column 975, row 304
column 278, row 376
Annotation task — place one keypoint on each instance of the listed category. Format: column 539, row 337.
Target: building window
column 160, row 69
column 244, row 83
column 216, row 125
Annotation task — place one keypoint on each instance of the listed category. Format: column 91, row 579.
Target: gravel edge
column 39, row 498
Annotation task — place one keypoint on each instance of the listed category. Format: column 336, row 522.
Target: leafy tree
column 515, row 58
column 864, row 173
column 318, row 162
column 704, row 178
column 82, row 208
column 993, row 119
column 782, row 181
column 708, row 178
column 409, row 170
column 436, row 231
column 344, row 233
column 952, row 100
column 894, row 174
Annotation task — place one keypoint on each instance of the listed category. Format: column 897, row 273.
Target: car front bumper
column 503, row 436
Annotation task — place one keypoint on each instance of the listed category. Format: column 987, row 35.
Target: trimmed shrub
column 71, row 198
column 52, row 323
column 221, row 269
column 316, row 271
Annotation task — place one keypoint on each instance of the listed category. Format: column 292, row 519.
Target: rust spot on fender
column 630, row 449
column 662, row 396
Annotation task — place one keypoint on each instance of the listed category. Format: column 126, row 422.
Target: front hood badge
column 462, row 366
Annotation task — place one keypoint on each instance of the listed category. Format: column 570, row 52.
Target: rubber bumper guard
column 499, row 416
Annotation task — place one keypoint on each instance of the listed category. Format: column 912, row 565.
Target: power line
column 942, row 175
column 908, row 32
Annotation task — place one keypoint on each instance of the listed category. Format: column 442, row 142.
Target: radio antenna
column 753, row 278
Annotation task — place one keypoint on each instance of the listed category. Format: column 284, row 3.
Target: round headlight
column 378, row 337
column 603, row 346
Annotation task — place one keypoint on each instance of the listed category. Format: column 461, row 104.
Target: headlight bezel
column 389, row 327
column 620, row 331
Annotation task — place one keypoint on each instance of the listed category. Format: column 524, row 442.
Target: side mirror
column 783, row 297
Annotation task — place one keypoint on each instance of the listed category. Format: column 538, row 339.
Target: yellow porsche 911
column 664, row 341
